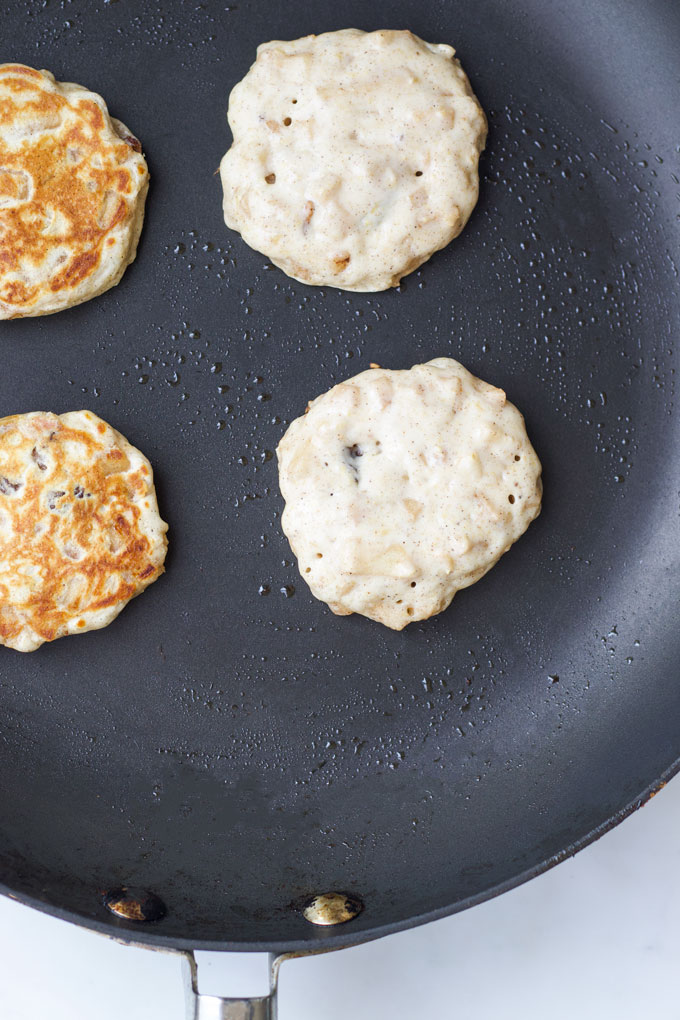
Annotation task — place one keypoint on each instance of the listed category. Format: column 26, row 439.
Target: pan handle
column 214, row 1007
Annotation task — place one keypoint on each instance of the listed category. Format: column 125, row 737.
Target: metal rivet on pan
column 332, row 908
column 134, row 904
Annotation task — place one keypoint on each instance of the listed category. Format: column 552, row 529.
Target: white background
column 596, row 937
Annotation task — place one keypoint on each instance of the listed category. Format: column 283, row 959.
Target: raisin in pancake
column 354, row 157
column 72, row 188
column 80, row 533
column 403, row 487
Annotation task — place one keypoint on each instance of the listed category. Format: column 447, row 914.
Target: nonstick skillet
column 228, row 748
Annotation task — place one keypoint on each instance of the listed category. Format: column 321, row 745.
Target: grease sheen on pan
column 73, row 182
column 355, row 155
column 402, row 487
column 80, row 532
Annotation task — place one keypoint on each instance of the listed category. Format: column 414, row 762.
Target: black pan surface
column 228, row 743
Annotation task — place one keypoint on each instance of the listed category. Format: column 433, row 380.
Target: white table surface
column 596, row 937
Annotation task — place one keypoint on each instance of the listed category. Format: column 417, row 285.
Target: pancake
column 72, row 187
column 402, row 487
column 80, row 532
column 354, row 156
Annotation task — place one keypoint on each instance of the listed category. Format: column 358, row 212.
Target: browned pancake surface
column 71, row 194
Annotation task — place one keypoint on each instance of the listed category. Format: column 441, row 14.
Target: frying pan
column 230, row 746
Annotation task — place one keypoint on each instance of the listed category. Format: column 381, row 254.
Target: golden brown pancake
column 72, row 188
column 80, row 532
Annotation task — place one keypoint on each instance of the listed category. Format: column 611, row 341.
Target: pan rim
column 149, row 939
